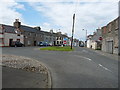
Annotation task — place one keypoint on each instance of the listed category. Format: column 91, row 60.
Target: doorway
column 110, row 47
column 10, row 42
column 34, row 43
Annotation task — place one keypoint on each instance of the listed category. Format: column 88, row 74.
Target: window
column 57, row 42
column 18, row 34
column 60, row 38
column 28, row 42
column 35, row 35
column 29, row 34
column 41, row 36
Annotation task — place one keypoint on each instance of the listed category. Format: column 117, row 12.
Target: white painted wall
column 94, row 45
column 89, row 43
column 8, row 36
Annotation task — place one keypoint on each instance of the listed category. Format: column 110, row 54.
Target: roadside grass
column 98, row 49
column 58, row 48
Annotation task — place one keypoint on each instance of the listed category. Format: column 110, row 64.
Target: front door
column 10, row 42
column 110, row 47
column 34, row 43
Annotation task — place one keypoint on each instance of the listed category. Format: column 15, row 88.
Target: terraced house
column 29, row 36
column 8, row 34
column 110, row 37
column 95, row 41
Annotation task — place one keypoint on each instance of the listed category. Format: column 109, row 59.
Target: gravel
column 24, row 63
column 27, row 64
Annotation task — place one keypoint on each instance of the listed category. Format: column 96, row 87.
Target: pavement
column 17, row 78
column 82, row 68
column 112, row 56
column 23, row 72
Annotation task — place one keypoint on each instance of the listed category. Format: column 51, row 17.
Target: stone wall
column 110, row 37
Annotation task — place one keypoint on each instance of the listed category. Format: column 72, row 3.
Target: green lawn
column 57, row 48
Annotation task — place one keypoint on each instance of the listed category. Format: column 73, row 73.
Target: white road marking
column 85, row 51
column 93, row 61
column 88, row 59
column 104, row 68
column 100, row 65
column 84, row 57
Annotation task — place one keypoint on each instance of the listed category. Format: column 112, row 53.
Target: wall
column 8, row 36
column 1, row 40
column 110, row 38
column 89, row 42
column 94, row 45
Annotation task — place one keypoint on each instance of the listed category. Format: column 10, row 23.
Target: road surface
column 82, row 68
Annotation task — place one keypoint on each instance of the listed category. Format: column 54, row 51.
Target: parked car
column 17, row 44
column 82, row 45
column 43, row 44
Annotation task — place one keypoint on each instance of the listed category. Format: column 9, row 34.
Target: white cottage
column 8, row 34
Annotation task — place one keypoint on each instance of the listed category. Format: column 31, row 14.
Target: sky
column 58, row 14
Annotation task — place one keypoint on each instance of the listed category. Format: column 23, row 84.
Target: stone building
column 8, row 34
column 97, row 39
column 49, row 37
column 110, row 37
column 30, row 36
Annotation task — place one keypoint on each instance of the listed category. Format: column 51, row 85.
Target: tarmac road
column 82, row 68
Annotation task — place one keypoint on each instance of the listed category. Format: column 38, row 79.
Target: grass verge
column 57, row 48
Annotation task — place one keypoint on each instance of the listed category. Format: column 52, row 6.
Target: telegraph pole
column 73, row 29
column 119, row 30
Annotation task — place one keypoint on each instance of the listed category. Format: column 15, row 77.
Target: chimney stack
column 17, row 24
column 38, row 28
column 51, row 31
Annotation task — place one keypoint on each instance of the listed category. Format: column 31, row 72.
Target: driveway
column 82, row 68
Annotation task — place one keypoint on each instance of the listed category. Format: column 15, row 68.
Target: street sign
column 100, row 38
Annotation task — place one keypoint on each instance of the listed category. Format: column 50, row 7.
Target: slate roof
column 11, row 29
column 8, row 28
column 28, row 29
